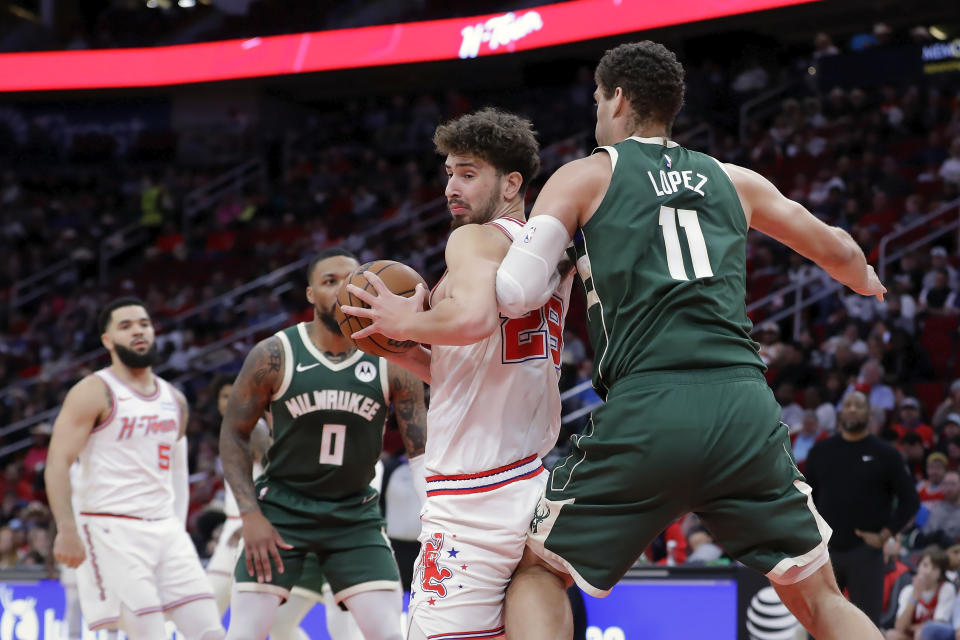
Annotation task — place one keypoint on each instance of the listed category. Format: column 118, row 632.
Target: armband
column 528, row 275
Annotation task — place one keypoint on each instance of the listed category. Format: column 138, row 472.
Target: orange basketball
column 400, row 279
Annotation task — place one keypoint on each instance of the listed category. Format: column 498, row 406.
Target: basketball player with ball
column 312, row 516
column 495, row 405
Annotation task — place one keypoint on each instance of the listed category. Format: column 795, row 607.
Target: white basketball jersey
column 127, row 459
column 496, row 401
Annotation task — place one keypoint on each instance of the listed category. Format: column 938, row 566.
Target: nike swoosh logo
column 301, row 368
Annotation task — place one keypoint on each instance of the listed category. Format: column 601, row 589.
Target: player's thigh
column 753, row 499
column 630, row 475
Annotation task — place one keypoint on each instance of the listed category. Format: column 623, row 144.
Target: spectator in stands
column 914, row 454
column 870, row 380
column 910, row 421
column 895, row 578
column 940, row 259
column 9, row 554
column 826, row 413
column 791, row 413
column 943, row 525
column 938, row 299
column 803, row 440
column 863, row 491
column 823, row 46
column 950, row 404
column 36, row 457
column 768, row 335
column 929, row 598
column 948, row 431
column 950, row 169
column 703, row 549
column 930, row 490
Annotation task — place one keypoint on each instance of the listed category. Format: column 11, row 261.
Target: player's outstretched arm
column 468, row 311
column 86, row 404
column 770, row 212
column 259, row 378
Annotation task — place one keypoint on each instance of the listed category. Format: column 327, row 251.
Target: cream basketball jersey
column 127, row 459
column 495, row 402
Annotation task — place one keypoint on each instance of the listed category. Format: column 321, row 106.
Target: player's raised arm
column 86, row 404
column 789, row 222
column 468, row 311
column 250, row 396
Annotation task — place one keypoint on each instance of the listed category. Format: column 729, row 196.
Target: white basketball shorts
column 473, row 535
column 147, row 565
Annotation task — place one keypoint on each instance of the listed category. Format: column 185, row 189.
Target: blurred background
column 133, row 162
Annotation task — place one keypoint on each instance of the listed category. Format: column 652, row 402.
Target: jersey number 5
column 695, row 242
column 532, row 336
column 332, row 439
column 163, row 456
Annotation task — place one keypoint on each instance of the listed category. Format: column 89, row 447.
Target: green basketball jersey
column 328, row 419
column 663, row 264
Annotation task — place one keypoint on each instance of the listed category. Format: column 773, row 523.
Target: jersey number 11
column 695, row 242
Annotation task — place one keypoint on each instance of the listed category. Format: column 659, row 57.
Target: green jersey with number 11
column 663, row 264
column 328, row 419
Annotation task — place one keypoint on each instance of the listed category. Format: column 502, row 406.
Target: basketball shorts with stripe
column 668, row 443
column 148, row 565
column 471, row 541
column 337, row 541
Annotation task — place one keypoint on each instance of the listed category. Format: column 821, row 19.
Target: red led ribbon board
column 449, row 39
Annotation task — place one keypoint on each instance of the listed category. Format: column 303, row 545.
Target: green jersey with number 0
column 663, row 264
column 328, row 419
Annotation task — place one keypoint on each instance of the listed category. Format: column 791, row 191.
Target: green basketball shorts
column 341, row 542
column 668, row 443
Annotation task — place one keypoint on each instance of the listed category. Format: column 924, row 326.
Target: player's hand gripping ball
column 399, row 279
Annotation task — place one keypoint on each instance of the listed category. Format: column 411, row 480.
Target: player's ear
column 512, row 183
column 309, row 295
column 106, row 341
column 619, row 101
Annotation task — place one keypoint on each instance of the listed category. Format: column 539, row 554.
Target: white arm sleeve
column 181, row 480
column 419, row 477
column 528, row 274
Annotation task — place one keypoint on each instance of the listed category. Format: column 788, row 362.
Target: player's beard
column 135, row 360
column 480, row 215
column 327, row 319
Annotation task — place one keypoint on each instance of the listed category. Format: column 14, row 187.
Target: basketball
column 400, row 279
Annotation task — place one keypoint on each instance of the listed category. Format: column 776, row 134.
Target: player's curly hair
column 651, row 78
column 506, row 141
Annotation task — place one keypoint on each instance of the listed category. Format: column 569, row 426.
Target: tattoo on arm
column 249, row 398
column 274, row 360
column 408, row 404
column 106, row 390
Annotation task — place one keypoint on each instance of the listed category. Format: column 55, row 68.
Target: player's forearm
column 844, row 259
column 453, row 323
column 237, row 461
column 416, row 361
column 56, row 476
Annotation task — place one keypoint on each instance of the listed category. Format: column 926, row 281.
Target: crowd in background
column 871, row 160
